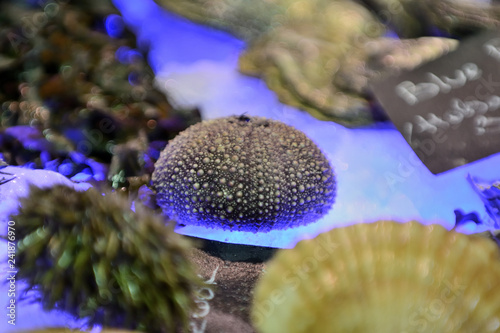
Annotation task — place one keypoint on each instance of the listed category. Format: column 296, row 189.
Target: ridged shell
column 382, row 277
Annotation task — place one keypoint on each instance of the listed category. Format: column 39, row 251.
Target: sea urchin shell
column 382, row 277
column 243, row 173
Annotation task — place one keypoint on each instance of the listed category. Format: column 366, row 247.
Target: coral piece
column 81, row 76
column 89, row 254
column 389, row 56
column 462, row 218
column 243, row 173
column 128, row 162
column 317, row 55
column 74, row 81
column 300, row 58
column 297, row 47
column 489, row 192
column 423, row 17
column 382, row 277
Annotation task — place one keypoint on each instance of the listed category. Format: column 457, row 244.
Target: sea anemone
column 382, row 277
column 89, row 254
column 243, row 173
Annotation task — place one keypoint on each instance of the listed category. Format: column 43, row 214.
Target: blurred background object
column 319, row 55
column 74, row 87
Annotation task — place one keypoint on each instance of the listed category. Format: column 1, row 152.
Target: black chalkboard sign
column 448, row 110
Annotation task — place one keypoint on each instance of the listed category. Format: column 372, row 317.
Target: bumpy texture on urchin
column 92, row 256
column 243, row 173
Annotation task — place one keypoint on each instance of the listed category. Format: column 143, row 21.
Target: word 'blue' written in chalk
column 413, row 93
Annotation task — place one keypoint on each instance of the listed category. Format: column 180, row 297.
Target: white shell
column 382, row 277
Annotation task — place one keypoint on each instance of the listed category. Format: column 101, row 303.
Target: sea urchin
column 92, row 256
column 243, row 173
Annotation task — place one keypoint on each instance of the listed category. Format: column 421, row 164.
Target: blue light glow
column 170, row 39
column 114, row 25
column 378, row 175
column 126, row 55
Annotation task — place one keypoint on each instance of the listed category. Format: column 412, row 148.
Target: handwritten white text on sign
column 458, row 109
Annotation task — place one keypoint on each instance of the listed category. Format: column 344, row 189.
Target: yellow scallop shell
column 385, row 277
